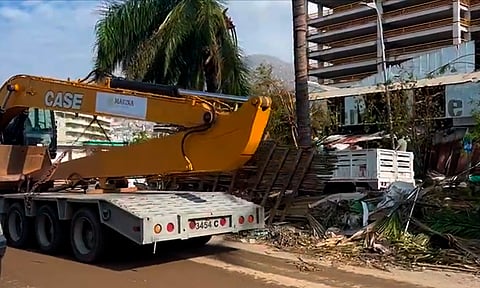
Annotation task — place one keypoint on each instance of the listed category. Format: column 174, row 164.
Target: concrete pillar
column 320, row 46
column 320, row 14
column 379, row 41
column 457, row 32
column 468, row 17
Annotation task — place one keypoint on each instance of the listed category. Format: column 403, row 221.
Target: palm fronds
column 180, row 42
column 464, row 224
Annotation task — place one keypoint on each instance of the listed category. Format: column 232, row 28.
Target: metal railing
column 390, row 33
column 343, row 25
column 418, row 48
column 415, row 8
column 351, row 78
column 390, row 53
column 418, row 27
column 347, row 60
column 336, row 10
column 474, row 22
column 373, row 18
column 353, row 59
column 464, row 22
column 347, row 42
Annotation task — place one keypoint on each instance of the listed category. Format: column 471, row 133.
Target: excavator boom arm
column 25, row 91
column 212, row 140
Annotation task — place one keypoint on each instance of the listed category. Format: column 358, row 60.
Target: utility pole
column 380, row 38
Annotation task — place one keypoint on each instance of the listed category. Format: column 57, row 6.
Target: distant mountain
column 281, row 69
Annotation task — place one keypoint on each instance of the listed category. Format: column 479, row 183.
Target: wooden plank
column 289, row 201
column 274, row 179
column 215, row 183
column 303, row 173
column 262, row 170
column 273, row 211
column 232, row 182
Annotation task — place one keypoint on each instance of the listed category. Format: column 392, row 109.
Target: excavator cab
column 28, row 143
column 34, row 127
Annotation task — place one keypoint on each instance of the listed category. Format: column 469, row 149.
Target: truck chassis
column 144, row 217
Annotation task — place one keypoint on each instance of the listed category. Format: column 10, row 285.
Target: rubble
column 414, row 227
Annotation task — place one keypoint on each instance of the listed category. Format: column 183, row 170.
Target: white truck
column 372, row 168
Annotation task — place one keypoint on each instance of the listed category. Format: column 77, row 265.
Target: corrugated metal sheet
column 461, row 57
column 437, row 81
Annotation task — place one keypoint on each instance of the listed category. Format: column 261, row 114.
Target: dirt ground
column 221, row 264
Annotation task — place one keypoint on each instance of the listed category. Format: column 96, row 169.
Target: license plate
column 205, row 224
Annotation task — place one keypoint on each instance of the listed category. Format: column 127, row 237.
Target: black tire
column 85, row 220
column 47, row 222
column 17, row 226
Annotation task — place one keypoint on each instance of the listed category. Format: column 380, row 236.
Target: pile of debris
column 406, row 225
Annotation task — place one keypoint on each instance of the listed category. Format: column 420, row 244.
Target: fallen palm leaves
column 396, row 231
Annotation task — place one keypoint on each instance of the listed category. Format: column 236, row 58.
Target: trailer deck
column 145, row 217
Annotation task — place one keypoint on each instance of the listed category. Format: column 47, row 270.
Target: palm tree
column 188, row 43
column 302, row 103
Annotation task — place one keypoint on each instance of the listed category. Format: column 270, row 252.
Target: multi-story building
column 73, row 127
column 343, row 34
column 125, row 130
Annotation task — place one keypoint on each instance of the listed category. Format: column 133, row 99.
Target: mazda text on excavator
column 212, row 138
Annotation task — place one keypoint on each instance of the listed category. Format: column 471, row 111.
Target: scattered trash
column 430, row 226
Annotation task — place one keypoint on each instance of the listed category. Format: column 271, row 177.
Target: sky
column 55, row 38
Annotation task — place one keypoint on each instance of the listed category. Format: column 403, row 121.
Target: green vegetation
column 282, row 126
column 177, row 42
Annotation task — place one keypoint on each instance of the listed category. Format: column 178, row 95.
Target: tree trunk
column 302, row 103
column 210, row 72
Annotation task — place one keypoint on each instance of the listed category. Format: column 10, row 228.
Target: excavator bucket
column 19, row 162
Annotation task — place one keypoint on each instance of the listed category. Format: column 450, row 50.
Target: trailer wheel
column 18, row 226
column 49, row 232
column 86, row 236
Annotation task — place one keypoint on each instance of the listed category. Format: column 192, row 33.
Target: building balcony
column 88, row 133
column 355, row 68
column 343, row 32
column 474, row 26
column 343, row 51
column 418, row 14
column 342, row 13
column 411, row 14
column 396, row 38
column 352, row 41
column 474, row 5
column 419, row 34
column 332, row 4
column 82, row 119
column 390, row 5
column 344, row 67
column 85, row 123
column 414, row 15
column 344, row 79
column 95, row 130
column 405, row 53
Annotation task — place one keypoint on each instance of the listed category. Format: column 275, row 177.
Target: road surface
column 215, row 266
column 138, row 269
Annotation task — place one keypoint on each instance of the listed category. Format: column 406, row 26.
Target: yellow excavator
column 211, row 139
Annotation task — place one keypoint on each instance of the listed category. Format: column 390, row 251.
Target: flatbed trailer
column 144, row 217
